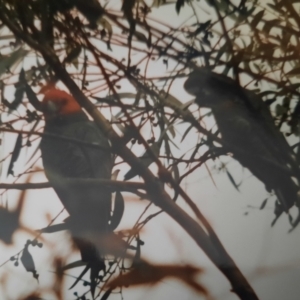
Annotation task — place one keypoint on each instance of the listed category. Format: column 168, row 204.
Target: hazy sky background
column 268, row 257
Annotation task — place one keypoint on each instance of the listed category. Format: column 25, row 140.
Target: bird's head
column 209, row 88
column 59, row 103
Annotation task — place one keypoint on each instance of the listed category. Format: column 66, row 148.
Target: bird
column 248, row 131
column 73, row 147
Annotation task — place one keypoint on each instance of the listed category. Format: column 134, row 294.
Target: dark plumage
column 89, row 207
column 248, row 131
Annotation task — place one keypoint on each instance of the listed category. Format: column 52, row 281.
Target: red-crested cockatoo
column 76, row 149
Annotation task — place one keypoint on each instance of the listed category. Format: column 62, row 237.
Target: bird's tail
column 94, row 262
column 287, row 193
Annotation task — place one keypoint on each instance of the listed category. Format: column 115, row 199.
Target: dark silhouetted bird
column 248, row 131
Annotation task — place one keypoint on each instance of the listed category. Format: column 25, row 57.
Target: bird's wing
column 213, row 89
column 89, row 207
column 86, row 161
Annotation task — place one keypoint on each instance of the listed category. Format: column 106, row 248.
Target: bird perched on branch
column 248, row 131
column 77, row 149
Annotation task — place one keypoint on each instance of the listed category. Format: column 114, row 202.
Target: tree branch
column 112, row 185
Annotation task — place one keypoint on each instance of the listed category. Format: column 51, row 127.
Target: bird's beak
column 51, row 107
column 193, row 90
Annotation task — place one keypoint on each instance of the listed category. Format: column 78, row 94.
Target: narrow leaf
column 257, row 18
column 127, row 8
column 28, row 262
column 175, row 172
column 19, row 93
column 118, row 211
column 232, row 180
column 295, row 71
column 269, row 25
column 106, row 294
column 179, row 4
column 73, row 54
column 93, row 279
column 186, row 132
column 80, row 276
column 75, row 264
column 33, row 99
column 7, row 61
column 264, row 204
column 54, row 228
column 137, row 255
column 15, row 155
column 145, row 273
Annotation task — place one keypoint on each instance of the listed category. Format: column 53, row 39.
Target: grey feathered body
column 89, row 207
column 248, row 131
